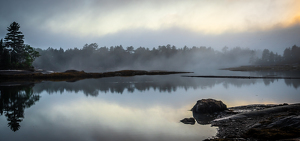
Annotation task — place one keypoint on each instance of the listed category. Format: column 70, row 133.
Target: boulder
column 209, row 106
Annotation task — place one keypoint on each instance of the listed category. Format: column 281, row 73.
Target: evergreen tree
column 15, row 54
column 1, row 47
column 14, row 42
column 4, row 56
column 1, row 52
column 265, row 56
column 30, row 55
column 271, row 58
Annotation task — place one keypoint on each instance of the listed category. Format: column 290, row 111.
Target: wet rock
column 188, row 121
column 209, row 106
column 290, row 121
column 272, row 122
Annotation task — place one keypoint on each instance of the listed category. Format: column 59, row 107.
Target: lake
column 145, row 108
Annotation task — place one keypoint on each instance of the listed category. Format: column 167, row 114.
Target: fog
column 92, row 58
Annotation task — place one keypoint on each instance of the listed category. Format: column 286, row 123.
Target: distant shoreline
column 288, row 67
column 243, row 77
column 71, row 75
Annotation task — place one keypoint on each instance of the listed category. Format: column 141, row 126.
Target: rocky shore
column 250, row 122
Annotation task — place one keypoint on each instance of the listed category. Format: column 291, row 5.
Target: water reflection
column 288, row 82
column 291, row 82
column 92, row 87
column 112, row 110
column 13, row 101
column 204, row 119
column 276, row 73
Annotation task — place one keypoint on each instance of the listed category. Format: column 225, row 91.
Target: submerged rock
column 209, row 106
column 188, row 121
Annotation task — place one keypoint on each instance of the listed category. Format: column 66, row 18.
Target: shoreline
column 71, row 75
column 287, row 67
column 242, row 77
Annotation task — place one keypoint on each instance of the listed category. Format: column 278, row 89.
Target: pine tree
column 16, row 54
column 1, row 50
column 14, row 42
column 4, row 56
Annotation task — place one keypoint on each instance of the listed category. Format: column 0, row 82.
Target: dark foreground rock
column 250, row 122
column 270, row 122
column 274, row 128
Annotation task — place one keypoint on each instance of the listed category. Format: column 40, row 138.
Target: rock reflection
column 204, row 119
column 188, row 121
column 14, row 100
column 276, row 73
column 92, row 87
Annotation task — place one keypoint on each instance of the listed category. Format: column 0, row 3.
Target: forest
column 14, row 54
column 93, row 58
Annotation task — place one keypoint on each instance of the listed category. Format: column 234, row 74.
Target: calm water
column 127, row 108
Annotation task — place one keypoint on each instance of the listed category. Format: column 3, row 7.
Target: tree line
column 14, row 54
column 91, row 57
column 94, row 58
column 291, row 55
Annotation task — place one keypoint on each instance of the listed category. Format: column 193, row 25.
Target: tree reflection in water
column 92, row 87
column 14, row 100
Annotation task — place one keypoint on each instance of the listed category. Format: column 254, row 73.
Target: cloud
column 211, row 23
column 100, row 17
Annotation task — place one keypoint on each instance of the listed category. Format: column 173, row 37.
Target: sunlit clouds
column 98, row 18
column 255, row 24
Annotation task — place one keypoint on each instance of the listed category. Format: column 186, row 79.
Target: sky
column 254, row 24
